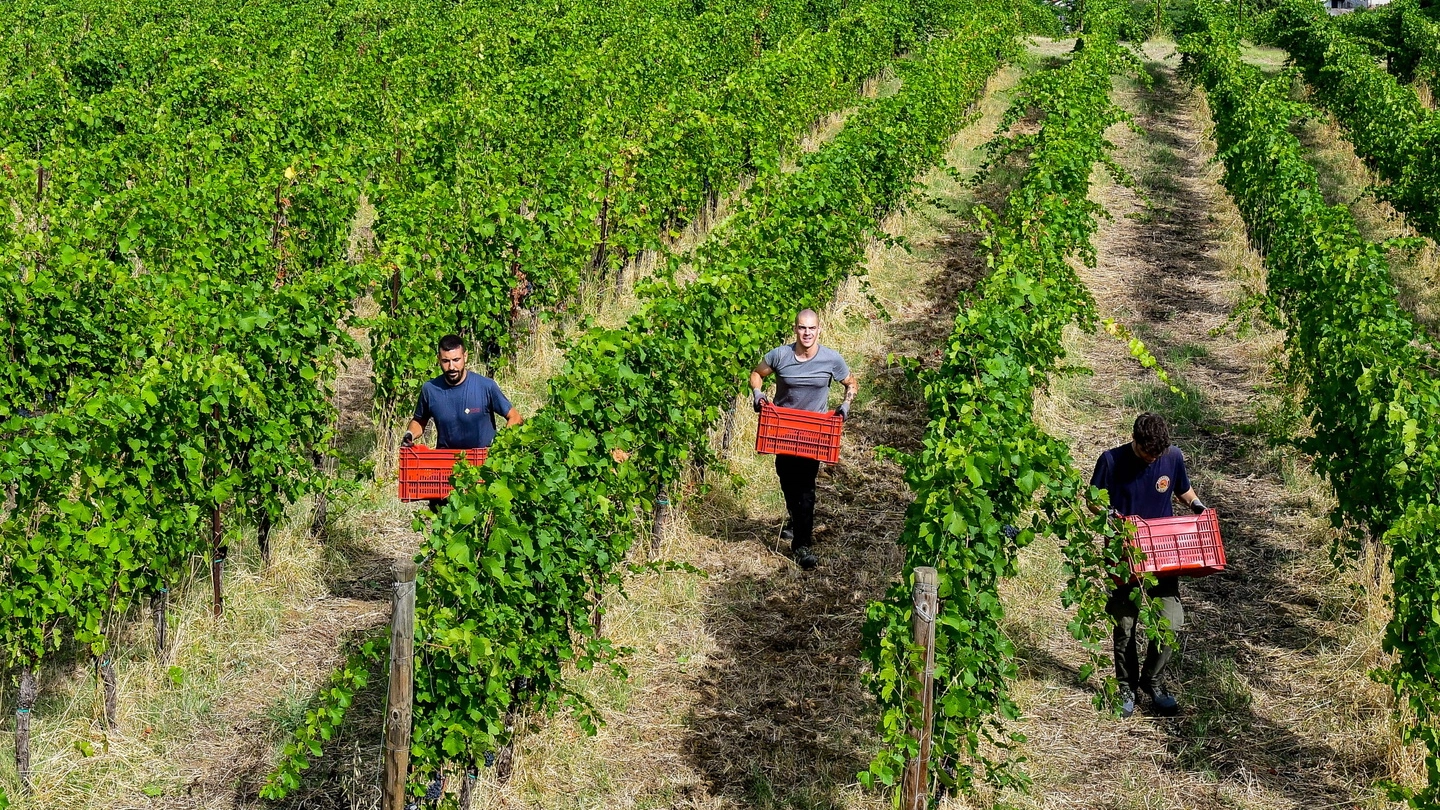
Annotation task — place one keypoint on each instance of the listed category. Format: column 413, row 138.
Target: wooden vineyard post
column 467, row 788
column 159, row 603
column 29, row 690
column 597, row 596
column 217, row 561
column 402, row 693
column 915, row 789
column 262, row 537
column 657, row 526
column 106, row 666
column 727, row 437
column 319, row 522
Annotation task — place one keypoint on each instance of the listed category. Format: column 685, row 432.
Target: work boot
column 1127, row 701
column 1161, row 700
column 787, row 533
column 806, row 558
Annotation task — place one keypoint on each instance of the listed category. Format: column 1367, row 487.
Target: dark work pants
column 1121, row 605
column 797, row 481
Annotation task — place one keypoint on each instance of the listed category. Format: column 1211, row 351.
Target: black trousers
column 1121, row 605
column 797, row 481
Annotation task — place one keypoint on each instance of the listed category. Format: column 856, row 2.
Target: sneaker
column 1162, row 701
column 806, row 558
column 787, row 533
column 1127, row 701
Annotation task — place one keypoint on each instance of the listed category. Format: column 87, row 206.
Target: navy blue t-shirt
column 464, row 414
column 1138, row 488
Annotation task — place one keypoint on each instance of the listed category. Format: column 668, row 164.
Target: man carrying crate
column 463, row 405
column 804, row 372
column 1143, row 479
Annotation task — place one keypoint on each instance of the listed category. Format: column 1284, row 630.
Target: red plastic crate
column 1184, row 545
column 792, row 432
column 425, row 472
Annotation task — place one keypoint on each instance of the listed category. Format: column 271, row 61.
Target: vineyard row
column 1397, row 135
column 1367, row 373
column 985, row 462
column 529, row 541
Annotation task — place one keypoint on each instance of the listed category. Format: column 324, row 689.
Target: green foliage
column 1040, row 18
column 985, row 465
column 1403, row 33
column 500, row 201
column 177, row 277
column 1395, row 134
column 174, row 284
column 1365, row 369
column 516, row 554
column 324, row 718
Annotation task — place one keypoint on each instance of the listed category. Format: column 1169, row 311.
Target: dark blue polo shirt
column 464, row 414
column 1141, row 489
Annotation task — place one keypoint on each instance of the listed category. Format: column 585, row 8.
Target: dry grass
column 1279, row 711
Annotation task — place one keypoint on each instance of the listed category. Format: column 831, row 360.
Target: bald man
column 804, row 372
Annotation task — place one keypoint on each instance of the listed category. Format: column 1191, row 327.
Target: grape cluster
column 437, row 786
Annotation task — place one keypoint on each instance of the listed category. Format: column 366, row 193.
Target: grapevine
column 1405, row 34
column 323, row 719
column 1366, row 371
column 1396, row 135
column 984, row 461
column 504, row 603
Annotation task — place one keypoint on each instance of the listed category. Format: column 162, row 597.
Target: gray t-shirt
column 805, row 384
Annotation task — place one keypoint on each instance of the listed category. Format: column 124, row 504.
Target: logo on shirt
column 1163, row 485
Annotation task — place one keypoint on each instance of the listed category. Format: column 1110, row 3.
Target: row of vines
column 988, row 479
column 1406, row 34
column 179, row 266
column 1366, row 372
column 517, row 557
column 1397, row 135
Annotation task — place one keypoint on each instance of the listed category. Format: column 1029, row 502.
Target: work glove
column 407, row 440
column 1196, row 506
column 758, row 398
column 843, row 411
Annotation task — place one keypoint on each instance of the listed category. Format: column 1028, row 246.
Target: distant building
column 1347, row 6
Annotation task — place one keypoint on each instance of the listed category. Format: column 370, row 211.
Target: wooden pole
column 505, row 757
column 597, row 596
column 217, row 561
column 319, row 523
column 467, row 788
column 915, row 790
column 262, row 536
column 106, row 666
column 159, row 603
column 657, row 526
column 402, row 687
column 728, row 436
column 29, row 690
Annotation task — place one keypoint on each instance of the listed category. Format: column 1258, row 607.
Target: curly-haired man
column 1143, row 478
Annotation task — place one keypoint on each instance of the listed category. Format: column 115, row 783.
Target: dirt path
column 1278, row 710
